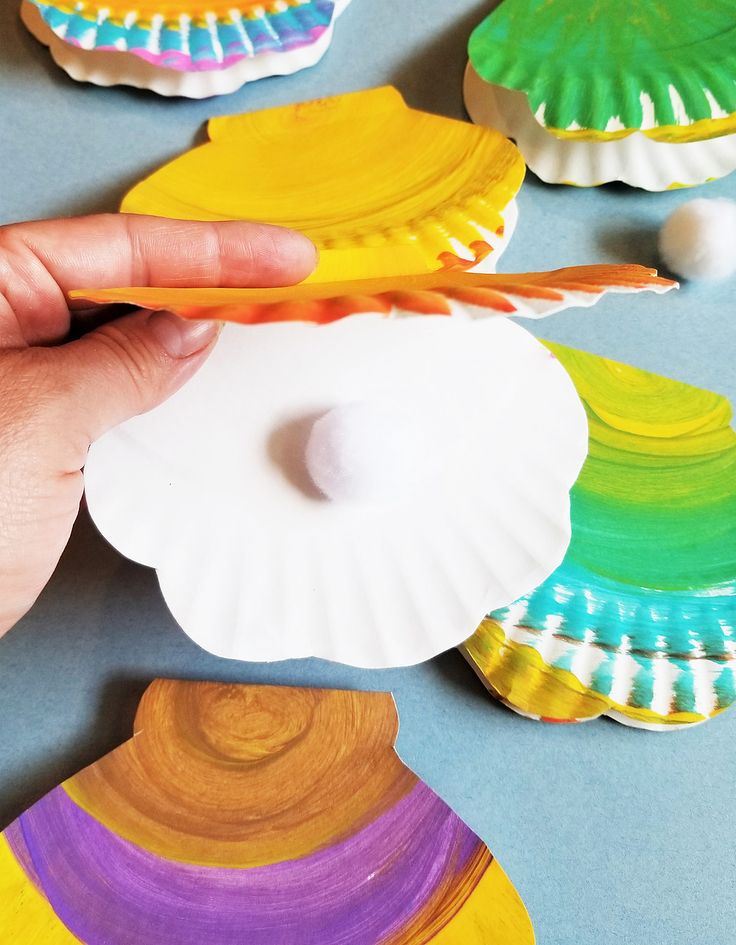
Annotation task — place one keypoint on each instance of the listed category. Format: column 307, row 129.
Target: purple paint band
column 182, row 62
column 361, row 891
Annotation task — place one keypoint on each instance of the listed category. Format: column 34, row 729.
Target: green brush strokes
column 655, row 503
column 651, row 567
column 588, row 62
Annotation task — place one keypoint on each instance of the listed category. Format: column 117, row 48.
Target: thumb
column 127, row 367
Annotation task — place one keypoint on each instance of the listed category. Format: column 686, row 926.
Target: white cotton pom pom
column 698, row 240
column 365, row 451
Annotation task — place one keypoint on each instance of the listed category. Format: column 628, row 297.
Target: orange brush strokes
column 480, row 249
column 425, row 293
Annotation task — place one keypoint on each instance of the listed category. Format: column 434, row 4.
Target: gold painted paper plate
column 258, row 814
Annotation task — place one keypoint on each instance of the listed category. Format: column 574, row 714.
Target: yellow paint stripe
column 701, row 130
column 26, row 918
column 519, row 675
column 494, row 912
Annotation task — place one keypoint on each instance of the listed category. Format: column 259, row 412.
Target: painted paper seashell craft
column 196, row 48
column 258, row 814
column 322, row 520
column 644, row 94
column 639, row 621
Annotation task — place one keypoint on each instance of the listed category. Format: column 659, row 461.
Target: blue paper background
column 611, row 835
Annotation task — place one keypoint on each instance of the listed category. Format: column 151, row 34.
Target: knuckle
column 130, row 355
column 202, row 258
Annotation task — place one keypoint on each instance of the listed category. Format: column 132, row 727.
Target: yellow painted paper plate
column 253, row 814
column 639, row 621
column 357, row 170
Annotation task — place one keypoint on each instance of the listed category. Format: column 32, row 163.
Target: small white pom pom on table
column 698, row 240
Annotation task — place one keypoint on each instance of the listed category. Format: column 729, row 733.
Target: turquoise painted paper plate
column 192, row 48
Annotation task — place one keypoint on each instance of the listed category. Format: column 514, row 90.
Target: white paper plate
column 635, row 160
column 211, row 489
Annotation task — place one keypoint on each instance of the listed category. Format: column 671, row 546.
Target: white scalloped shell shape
column 107, row 67
column 211, row 488
column 635, row 160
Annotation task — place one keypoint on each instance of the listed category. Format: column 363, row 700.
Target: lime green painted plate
column 606, row 68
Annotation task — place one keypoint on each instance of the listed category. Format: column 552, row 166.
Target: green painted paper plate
column 606, row 68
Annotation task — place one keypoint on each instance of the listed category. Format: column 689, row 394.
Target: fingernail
column 311, row 249
column 181, row 338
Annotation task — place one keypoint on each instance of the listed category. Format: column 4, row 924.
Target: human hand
column 58, row 395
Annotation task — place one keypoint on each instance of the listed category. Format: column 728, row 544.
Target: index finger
column 41, row 262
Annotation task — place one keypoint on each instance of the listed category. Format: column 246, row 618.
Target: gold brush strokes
column 450, row 896
column 517, row 674
column 26, row 917
column 361, row 169
column 493, row 914
column 485, row 907
column 272, row 773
